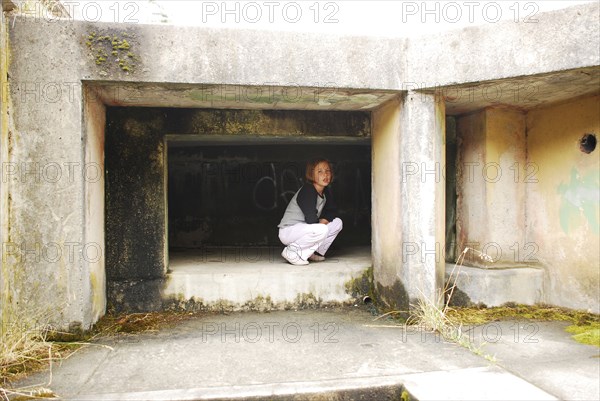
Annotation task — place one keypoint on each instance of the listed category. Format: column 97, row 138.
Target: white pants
column 302, row 240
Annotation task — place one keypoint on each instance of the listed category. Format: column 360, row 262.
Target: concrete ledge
column 260, row 279
column 342, row 389
column 495, row 287
column 489, row 383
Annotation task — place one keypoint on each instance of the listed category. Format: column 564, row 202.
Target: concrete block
column 495, row 287
column 264, row 281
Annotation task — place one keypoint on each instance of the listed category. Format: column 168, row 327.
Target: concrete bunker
column 191, row 188
column 546, row 102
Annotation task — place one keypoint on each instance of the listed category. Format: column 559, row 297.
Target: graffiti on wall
column 580, row 200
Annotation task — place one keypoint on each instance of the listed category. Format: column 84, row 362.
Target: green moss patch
column 112, row 49
column 587, row 334
column 513, row 311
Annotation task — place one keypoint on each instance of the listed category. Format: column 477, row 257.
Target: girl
column 310, row 223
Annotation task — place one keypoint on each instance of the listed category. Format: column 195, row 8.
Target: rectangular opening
column 226, row 200
column 185, row 188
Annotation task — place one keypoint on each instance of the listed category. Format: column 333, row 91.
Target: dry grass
column 23, row 349
column 474, row 316
column 135, row 323
column 433, row 315
column 451, row 323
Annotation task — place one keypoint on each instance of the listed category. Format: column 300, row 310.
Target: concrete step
column 496, row 286
column 258, row 278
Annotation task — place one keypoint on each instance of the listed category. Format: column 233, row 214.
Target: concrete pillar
column 4, row 290
column 492, row 170
column 409, row 199
column 93, row 189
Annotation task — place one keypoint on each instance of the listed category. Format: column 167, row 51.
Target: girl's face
column 322, row 174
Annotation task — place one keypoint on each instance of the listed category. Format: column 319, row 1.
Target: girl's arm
column 330, row 209
column 307, row 200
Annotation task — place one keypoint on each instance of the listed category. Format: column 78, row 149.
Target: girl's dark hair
column 310, row 168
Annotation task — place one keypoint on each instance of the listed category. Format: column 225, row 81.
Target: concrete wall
column 491, row 185
column 563, row 201
column 136, row 232
column 528, row 196
column 5, row 301
column 387, row 204
column 554, row 42
column 45, row 255
column 93, row 138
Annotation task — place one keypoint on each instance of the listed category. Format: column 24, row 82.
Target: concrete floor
column 287, row 355
column 243, row 276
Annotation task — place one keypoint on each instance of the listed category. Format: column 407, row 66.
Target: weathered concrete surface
column 495, row 287
column 545, row 355
column 563, row 201
column 260, row 279
column 386, row 204
column 523, row 93
column 491, row 186
column 295, row 353
column 408, row 199
column 94, row 208
column 423, row 194
column 507, row 49
column 528, row 195
column 136, row 206
column 5, row 270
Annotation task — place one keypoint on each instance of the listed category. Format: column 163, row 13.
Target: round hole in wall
column 587, row 143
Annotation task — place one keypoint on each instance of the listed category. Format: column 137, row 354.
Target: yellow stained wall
column 490, row 191
column 385, row 194
column 563, row 204
column 95, row 121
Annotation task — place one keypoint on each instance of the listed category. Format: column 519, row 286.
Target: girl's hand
column 323, row 221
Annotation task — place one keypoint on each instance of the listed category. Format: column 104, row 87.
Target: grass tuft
column 438, row 316
column 434, row 316
column 23, row 349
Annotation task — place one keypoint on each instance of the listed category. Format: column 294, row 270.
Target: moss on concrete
column 393, row 298
column 586, row 334
column 115, row 44
column 362, row 286
column 259, row 304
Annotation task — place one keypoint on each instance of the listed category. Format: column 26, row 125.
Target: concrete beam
column 553, row 41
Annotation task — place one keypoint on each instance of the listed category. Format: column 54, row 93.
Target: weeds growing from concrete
column 454, row 323
column 433, row 315
column 24, row 348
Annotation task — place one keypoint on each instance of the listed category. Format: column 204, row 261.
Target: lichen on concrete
column 112, row 51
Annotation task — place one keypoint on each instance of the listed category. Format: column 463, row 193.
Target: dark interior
column 235, row 195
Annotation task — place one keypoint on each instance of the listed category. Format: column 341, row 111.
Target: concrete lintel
column 256, row 96
column 179, row 140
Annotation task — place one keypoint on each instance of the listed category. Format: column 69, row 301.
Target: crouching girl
column 310, row 223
